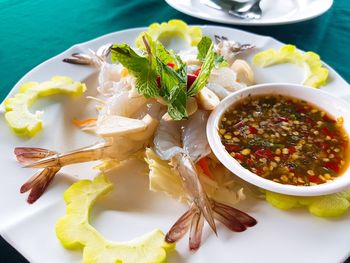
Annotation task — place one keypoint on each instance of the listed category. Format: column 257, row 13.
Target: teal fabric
column 32, row 31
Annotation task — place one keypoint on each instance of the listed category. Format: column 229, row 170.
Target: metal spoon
column 247, row 10
column 243, row 10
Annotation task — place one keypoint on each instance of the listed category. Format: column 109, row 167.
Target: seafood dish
column 153, row 105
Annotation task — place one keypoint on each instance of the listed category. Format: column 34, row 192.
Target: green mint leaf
column 181, row 68
column 203, row 47
column 140, row 67
column 159, row 51
column 163, row 54
column 174, row 88
column 177, row 104
column 204, row 74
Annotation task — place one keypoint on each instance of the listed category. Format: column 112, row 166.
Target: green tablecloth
column 32, row 31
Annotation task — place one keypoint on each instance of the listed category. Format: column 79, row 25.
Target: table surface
column 32, row 31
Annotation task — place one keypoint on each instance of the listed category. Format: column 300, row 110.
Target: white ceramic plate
column 131, row 209
column 274, row 12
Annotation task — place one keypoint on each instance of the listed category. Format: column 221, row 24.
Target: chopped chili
column 190, row 79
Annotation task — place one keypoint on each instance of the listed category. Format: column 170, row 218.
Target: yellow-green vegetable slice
column 17, row 113
column 174, row 27
column 315, row 74
column 75, row 232
column 332, row 205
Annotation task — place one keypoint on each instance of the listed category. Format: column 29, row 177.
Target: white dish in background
column 336, row 107
column 131, row 209
column 273, row 12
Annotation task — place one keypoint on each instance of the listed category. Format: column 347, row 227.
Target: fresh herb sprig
column 156, row 78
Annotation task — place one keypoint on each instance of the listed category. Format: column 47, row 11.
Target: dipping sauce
column 286, row 140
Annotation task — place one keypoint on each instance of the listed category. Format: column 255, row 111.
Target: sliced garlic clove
column 244, row 72
column 152, row 125
column 224, row 77
column 207, row 99
column 113, row 125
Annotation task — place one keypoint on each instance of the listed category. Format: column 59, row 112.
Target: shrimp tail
column 85, row 154
column 193, row 220
column 27, row 155
column 52, row 162
column 38, row 183
column 196, row 230
column 181, row 226
column 232, row 218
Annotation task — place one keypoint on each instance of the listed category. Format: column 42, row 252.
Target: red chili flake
column 327, row 132
column 239, row 124
column 239, row 156
column 197, row 71
column 309, row 120
column 264, row 153
column 328, row 119
column 292, row 149
column 324, row 146
column 171, row 65
column 259, row 171
column 255, row 148
column 252, row 130
column 280, row 119
column 232, row 147
column 332, row 165
column 269, row 154
column 315, row 179
column 300, row 110
column 190, row 79
column 250, row 162
column 158, row 82
column 260, row 153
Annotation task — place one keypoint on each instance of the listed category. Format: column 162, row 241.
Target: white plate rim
column 240, row 22
column 81, row 45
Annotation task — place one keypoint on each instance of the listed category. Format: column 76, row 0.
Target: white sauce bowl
column 332, row 105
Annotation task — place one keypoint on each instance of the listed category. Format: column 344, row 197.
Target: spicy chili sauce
column 285, row 140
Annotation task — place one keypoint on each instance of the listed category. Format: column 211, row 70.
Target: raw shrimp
column 194, row 136
column 110, row 75
column 122, row 136
column 167, row 143
column 184, row 143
